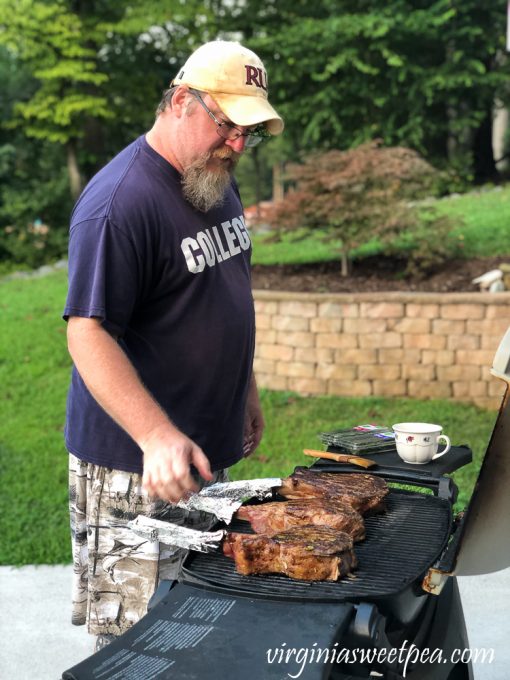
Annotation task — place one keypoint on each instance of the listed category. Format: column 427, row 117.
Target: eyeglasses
column 230, row 131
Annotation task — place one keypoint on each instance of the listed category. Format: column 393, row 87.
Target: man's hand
column 168, row 455
column 253, row 421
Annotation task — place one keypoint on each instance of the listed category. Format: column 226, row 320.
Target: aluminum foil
column 179, row 536
column 225, row 498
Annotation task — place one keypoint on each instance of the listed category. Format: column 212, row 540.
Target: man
column 161, row 331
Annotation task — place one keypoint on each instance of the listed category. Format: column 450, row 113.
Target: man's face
column 208, row 160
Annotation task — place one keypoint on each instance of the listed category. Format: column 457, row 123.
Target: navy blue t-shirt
column 173, row 284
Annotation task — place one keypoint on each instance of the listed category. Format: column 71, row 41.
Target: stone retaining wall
column 421, row 345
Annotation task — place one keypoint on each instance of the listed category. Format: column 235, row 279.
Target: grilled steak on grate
column 365, row 493
column 269, row 518
column 309, row 553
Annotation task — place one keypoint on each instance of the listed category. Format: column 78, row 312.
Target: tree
column 364, row 194
column 90, row 62
column 420, row 73
column 50, row 40
column 81, row 79
column 33, row 180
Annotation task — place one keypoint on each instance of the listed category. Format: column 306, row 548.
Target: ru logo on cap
column 256, row 75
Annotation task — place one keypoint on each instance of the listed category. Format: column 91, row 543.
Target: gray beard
column 203, row 188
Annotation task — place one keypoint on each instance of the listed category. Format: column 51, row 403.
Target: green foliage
column 33, row 184
column 253, row 173
column 88, row 75
column 54, row 44
column 33, row 246
column 424, row 75
column 97, row 69
column 429, row 242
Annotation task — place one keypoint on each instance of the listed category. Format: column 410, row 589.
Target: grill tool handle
column 341, row 458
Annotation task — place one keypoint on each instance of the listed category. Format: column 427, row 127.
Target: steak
column 365, row 493
column 309, row 553
column 270, row 518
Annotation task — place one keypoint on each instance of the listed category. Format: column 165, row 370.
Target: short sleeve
column 103, row 274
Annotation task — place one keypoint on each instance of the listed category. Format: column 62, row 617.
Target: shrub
column 32, row 246
column 365, row 194
column 35, row 204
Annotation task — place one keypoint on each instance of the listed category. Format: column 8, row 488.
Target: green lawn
column 296, row 247
column 483, row 218
column 486, row 216
column 34, row 372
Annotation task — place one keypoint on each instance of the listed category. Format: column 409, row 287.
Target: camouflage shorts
column 115, row 571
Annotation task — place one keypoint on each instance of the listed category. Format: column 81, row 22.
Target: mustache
column 225, row 153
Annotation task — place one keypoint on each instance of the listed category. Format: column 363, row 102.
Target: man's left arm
column 253, row 420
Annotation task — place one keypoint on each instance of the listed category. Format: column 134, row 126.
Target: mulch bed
column 371, row 275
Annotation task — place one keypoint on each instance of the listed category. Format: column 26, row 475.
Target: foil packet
column 176, row 535
column 225, row 498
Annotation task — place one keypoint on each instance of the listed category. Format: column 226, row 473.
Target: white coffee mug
column 417, row 443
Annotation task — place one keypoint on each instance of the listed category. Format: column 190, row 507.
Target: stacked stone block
column 421, row 345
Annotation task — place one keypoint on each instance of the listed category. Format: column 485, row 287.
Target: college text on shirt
column 215, row 245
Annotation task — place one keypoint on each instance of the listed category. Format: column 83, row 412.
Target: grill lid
column 484, row 543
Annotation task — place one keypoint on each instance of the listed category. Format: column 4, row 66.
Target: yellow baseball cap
column 236, row 79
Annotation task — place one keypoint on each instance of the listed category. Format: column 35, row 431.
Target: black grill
column 400, row 546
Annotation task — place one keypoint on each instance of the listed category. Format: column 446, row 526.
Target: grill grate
column 400, row 546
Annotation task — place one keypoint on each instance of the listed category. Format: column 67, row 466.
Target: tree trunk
column 344, row 263
column 462, row 142
column 278, row 188
column 256, row 166
column 499, row 132
column 95, row 143
column 483, row 156
column 75, row 181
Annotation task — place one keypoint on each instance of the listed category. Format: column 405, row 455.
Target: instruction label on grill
column 202, row 608
column 164, row 636
column 182, row 635
column 126, row 665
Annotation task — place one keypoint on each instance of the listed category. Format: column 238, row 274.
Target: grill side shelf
column 457, row 457
column 444, row 487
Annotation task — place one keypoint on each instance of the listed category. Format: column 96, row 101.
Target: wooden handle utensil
column 341, row 458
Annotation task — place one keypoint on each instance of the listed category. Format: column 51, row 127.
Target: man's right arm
column 115, row 385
